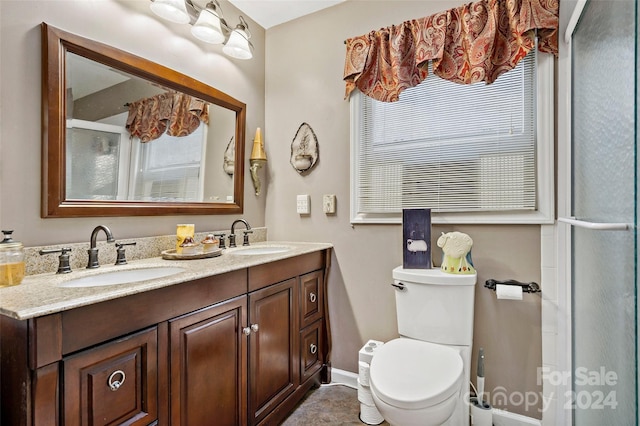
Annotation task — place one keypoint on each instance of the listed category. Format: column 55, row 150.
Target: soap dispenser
column 11, row 261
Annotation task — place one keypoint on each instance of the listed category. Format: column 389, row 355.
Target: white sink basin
column 122, row 277
column 253, row 251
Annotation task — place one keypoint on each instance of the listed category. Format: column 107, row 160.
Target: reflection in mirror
column 229, row 158
column 106, row 162
column 135, row 138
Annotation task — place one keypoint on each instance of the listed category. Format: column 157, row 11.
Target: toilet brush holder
column 481, row 414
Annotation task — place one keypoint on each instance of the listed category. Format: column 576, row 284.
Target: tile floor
column 327, row 405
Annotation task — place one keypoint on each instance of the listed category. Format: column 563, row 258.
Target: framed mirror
column 123, row 136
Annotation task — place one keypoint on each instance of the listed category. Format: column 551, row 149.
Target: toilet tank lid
column 433, row 276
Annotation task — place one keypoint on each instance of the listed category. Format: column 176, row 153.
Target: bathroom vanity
column 232, row 340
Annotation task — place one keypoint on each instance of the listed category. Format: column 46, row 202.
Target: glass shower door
column 604, row 267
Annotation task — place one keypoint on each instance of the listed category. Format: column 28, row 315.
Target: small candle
column 183, row 230
column 258, row 137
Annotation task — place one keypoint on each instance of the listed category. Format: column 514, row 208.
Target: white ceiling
column 269, row 13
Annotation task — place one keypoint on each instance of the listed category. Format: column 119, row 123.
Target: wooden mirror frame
column 55, row 44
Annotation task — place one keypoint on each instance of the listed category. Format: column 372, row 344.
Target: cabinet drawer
column 311, row 298
column 310, row 353
column 114, row 383
column 93, row 324
column 269, row 273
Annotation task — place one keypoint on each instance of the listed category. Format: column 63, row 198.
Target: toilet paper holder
column 526, row 287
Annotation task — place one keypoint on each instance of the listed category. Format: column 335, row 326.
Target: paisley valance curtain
column 475, row 42
column 176, row 114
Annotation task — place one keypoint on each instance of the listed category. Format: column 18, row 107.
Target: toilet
column 422, row 377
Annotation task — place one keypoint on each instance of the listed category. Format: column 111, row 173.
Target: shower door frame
column 559, row 317
column 556, row 314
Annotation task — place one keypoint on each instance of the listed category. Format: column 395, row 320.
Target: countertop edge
column 40, row 295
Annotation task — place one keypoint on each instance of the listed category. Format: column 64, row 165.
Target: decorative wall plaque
column 416, row 238
column 304, row 149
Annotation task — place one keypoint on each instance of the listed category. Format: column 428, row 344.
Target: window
column 169, row 168
column 472, row 153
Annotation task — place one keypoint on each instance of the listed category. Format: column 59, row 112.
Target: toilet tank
column 435, row 306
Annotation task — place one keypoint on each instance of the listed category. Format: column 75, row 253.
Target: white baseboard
column 500, row 417
column 343, row 377
column 506, row 418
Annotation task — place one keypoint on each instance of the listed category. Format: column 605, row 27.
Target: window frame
column 545, row 165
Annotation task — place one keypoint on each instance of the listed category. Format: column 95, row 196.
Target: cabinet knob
column 312, row 297
column 114, row 384
column 246, row 331
column 313, row 349
column 255, row 328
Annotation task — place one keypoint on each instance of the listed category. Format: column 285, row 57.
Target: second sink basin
column 122, row 277
column 253, row 251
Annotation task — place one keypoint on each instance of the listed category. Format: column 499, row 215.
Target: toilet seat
column 413, row 374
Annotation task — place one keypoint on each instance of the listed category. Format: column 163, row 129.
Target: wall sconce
column 208, row 25
column 257, row 160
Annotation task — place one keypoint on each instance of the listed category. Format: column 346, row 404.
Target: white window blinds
column 448, row 147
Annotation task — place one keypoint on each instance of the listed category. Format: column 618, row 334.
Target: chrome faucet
column 232, row 236
column 93, row 251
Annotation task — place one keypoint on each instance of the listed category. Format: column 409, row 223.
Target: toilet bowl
column 415, row 382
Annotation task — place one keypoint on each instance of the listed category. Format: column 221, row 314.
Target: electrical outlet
column 303, row 204
column 329, row 203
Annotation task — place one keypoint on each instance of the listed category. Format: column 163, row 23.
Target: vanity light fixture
column 208, row 25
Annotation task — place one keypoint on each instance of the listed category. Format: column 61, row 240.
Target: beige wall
column 304, row 65
column 130, row 26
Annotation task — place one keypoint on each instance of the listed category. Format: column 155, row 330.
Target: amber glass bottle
column 11, row 261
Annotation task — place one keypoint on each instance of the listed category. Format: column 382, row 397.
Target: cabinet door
column 209, row 366
column 273, row 354
column 114, row 383
column 311, row 298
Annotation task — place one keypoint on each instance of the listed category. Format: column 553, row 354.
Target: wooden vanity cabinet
column 290, row 296
column 240, row 348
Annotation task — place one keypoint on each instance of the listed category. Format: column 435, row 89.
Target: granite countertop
column 41, row 294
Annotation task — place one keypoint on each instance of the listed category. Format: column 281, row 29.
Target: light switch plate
column 329, row 203
column 303, row 204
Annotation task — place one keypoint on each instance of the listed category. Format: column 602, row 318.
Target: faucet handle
column 120, row 257
column 63, row 266
column 221, row 239
column 232, row 240
column 246, row 233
